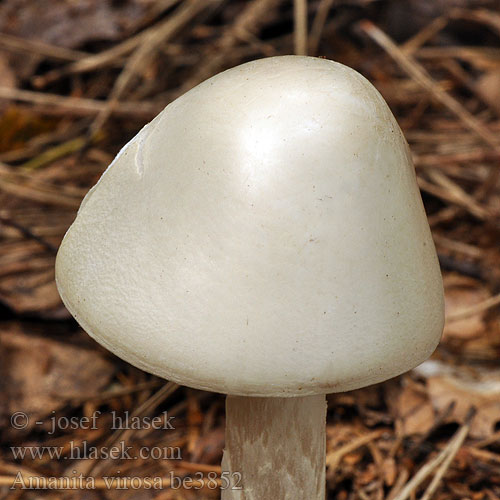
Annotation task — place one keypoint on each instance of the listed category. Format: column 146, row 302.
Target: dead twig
column 451, row 196
column 79, row 105
column 247, row 22
column 24, row 186
column 144, row 52
column 445, row 465
column 422, row 77
column 425, row 34
column 444, row 457
column 475, row 309
column 28, row 233
column 16, row 44
column 334, row 457
column 112, row 56
column 300, row 27
column 123, row 435
column 318, row 24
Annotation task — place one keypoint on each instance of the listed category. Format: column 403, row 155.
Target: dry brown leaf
column 41, row 297
column 412, row 408
column 488, row 87
column 457, row 299
column 17, row 126
column 483, row 393
column 7, row 76
column 352, row 458
column 35, row 371
column 69, row 24
column 390, row 471
column 368, row 475
column 210, row 446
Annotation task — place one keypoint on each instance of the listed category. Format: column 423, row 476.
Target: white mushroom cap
column 263, row 236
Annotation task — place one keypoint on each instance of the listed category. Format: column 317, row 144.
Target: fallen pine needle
column 476, row 308
column 334, row 457
column 444, row 457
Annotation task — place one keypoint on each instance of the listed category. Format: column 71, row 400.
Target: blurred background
column 79, row 78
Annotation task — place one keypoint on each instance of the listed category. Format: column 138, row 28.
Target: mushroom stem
column 275, row 448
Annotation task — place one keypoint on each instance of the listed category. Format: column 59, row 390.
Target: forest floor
column 79, row 79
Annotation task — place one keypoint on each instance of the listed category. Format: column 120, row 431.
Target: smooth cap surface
column 264, row 235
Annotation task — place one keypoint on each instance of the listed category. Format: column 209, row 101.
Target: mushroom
column 263, row 237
